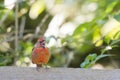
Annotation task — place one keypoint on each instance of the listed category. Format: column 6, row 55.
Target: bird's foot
column 46, row 66
column 38, row 67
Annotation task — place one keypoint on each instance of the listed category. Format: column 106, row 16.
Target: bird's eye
column 40, row 41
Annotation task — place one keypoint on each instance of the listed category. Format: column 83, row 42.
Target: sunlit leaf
column 117, row 35
column 36, row 9
column 79, row 29
column 110, row 7
column 111, row 33
column 84, row 28
column 97, row 37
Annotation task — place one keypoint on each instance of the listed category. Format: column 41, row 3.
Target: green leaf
column 91, row 57
column 79, row 29
column 110, row 7
column 107, row 39
column 2, row 5
column 85, row 28
column 103, row 51
column 102, row 56
column 116, row 35
column 36, row 9
column 84, row 64
column 116, row 7
column 89, row 61
column 117, row 17
column 115, row 42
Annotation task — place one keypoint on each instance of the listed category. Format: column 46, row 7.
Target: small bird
column 40, row 53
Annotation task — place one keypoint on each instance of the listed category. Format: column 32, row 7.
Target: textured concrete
column 28, row 73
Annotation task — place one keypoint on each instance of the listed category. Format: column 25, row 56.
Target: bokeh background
column 79, row 33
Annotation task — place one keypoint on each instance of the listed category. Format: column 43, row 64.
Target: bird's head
column 41, row 42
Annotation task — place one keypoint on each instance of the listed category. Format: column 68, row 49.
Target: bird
column 40, row 53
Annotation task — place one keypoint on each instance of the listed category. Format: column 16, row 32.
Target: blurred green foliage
column 93, row 40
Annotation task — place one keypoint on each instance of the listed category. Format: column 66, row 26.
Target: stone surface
column 29, row 73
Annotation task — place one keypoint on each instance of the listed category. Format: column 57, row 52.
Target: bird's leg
column 38, row 66
column 46, row 66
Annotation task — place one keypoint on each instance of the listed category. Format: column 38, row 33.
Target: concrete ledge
column 28, row 73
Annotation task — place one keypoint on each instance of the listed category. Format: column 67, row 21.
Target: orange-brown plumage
column 40, row 53
column 40, row 56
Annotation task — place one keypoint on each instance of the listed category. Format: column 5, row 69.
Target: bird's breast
column 40, row 55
